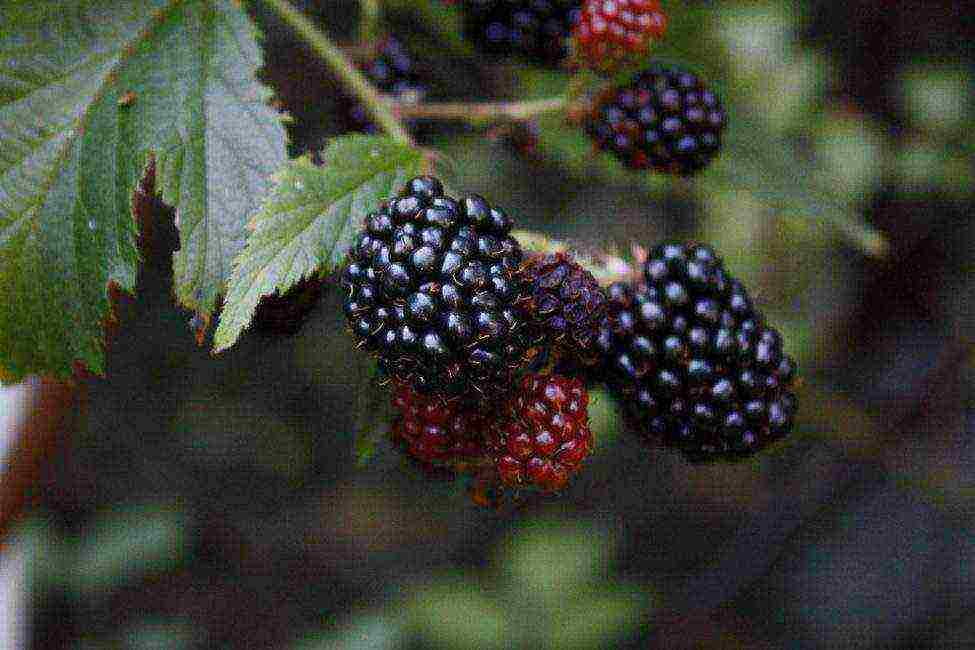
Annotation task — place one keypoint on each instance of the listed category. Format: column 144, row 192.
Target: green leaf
column 89, row 92
column 372, row 417
column 123, row 546
column 309, row 220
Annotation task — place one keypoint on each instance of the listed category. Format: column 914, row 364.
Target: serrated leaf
column 308, row 222
column 88, row 92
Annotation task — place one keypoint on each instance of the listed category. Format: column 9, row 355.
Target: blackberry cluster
column 694, row 358
column 392, row 71
column 664, row 119
column 610, row 35
column 439, row 432
column 567, row 306
column 536, row 29
column 547, row 435
column 433, row 291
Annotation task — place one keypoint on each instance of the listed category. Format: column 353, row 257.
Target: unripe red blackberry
column 694, row 359
column 392, row 71
column 547, row 434
column 434, row 292
column 615, row 33
column 665, row 119
column 439, row 432
column 536, row 29
column 567, row 306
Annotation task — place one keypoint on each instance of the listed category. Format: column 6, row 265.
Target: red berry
column 614, row 33
column 437, row 431
column 547, row 435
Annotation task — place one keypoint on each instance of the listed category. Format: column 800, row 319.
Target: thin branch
column 378, row 109
column 479, row 113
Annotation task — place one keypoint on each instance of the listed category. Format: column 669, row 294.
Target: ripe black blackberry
column 392, row 71
column 567, row 306
column 433, row 291
column 694, row 358
column 664, row 119
column 536, row 29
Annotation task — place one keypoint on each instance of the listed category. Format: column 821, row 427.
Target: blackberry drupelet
column 536, row 29
column 439, row 432
column 434, row 291
column 392, row 71
column 694, row 359
column 567, row 306
column 546, row 436
column 611, row 35
column 664, row 119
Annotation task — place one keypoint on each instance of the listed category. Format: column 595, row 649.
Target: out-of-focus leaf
column 938, row 98
column 366, row 633
column 768, row 167
column 756, row 36
column 455, row 615
column 128, row 545
column 551, row 557
column 88, row 92
column 308, row 222
column 159, row 635
column 594, row 621
column 45, row 555
column 850, row 150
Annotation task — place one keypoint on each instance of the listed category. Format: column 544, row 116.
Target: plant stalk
column 377, row 107
column 477, row 113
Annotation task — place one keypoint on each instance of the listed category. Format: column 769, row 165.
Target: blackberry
column 567, row 306
column 283, row 314
column 664, row 119
column 610, row 35
column 536, row 29
column 437, row 432
column 694, row 359
column 392, row 71
column 547, row 435
column 434, row 291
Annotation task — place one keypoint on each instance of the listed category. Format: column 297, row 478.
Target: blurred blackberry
column 611, row 35
column 694, row 358
column 566, row 308
column 547, row 435
column 438, row 432
column 433, row 291
column 664, row 119
column 284, row 314
column 536, row 29
column 392, row 71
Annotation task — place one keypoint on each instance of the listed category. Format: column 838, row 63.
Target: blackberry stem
column 478, row 113
column 370, row 15
column 379, row 110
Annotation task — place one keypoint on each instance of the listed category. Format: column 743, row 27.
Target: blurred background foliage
column 215, row 502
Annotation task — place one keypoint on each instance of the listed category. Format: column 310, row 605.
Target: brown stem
column 478, row 113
